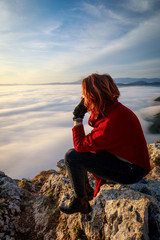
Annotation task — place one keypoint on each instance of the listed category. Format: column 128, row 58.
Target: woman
column 115, row 149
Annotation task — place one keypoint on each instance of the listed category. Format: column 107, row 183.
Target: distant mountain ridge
column 133, row 80
column 122, row 82
column 119, row 82
column 139, row 83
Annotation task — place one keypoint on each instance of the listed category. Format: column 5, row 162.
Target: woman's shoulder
column 120, row 108
column 114, row 113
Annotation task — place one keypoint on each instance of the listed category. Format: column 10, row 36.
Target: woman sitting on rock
column 115, row 149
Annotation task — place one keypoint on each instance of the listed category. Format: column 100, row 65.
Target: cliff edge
column 29, row 208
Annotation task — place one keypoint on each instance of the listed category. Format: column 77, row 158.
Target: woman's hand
column 80, row 110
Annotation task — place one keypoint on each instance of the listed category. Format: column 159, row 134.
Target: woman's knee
column 69, row 156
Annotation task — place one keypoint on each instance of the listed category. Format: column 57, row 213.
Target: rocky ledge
column 29, row 208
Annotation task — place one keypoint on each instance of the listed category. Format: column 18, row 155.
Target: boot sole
column 72, row 212
column 90, row 198
column 86, row 211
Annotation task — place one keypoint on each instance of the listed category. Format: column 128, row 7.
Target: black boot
column 76, row 205
column 90, row 191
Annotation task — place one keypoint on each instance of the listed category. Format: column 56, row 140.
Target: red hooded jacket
column 118, row 132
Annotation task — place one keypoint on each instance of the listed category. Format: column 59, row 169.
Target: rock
column 122, row 214
column 60, row 164
column 26, row 184
column 29, row 208
column 2, row 174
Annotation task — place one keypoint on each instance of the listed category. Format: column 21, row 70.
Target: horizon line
column 79, row 81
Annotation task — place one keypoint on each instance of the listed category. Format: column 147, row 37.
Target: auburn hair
column 99, row 92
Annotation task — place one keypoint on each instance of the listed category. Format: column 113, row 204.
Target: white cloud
column 36, row 127
column 95, row 46
column 101, row 12
column 6, row 18
column 90, row 52
column 43, row 44
column 140, row 36
column 149, row 68
column 50, row 27
column 139, row 6
column 11, row 17
column 93, row 10
column 63, row 47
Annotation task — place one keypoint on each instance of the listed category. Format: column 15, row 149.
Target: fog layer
column 36, row 122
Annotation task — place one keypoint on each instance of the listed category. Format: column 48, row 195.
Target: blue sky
column 59, row 41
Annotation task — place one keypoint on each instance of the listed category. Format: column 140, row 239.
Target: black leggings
column 106, row 167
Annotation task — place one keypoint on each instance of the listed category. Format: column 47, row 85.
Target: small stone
column 2, row 174
column 60, row 164
column 12, row 233
column 1, row 235
column 8, row 237
column 1, row 223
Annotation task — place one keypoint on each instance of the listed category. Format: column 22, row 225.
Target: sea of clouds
column 36, row 123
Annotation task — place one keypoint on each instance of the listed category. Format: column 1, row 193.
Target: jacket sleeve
column 93, row 141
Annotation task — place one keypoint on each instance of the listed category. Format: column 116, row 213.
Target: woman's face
column 83, row 96
column 87, row 103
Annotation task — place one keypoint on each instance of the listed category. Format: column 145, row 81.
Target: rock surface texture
column 29, row 208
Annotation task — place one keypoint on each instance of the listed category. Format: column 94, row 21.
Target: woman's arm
column 91, row 142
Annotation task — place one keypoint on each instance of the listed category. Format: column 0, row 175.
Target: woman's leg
column 106, row 167
column 77, row 175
